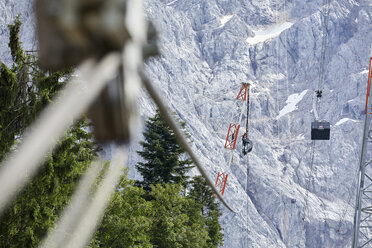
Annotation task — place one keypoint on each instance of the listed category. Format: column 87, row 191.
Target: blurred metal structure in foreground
column 110, row 39
column 72, row 30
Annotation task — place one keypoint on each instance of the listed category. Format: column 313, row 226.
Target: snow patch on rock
column 268, row 33
column 343, row 120
column 225, row 19
column 292, row 102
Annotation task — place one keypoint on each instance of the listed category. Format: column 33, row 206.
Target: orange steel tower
column 232, row 134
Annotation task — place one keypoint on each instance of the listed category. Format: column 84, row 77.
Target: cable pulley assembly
column 246, row 142
column 74, row 30
column 320, row 129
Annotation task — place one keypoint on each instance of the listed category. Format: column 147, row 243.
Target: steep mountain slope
column 9, row 9
column 209, row 48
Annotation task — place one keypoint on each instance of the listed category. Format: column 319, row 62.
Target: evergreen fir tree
column 202, row 194
column 177, row 220
column 128, row 219
column 167, row 220
column 161, row 153
column 24, row 91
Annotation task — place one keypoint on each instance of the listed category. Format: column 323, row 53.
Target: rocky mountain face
column 283, row 197
column 9, row 9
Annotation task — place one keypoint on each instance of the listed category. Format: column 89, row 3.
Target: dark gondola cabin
column 320, row 130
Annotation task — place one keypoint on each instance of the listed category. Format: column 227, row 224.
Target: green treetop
column 127, row 221
column 163, row 166
column 162, row 155
column 202, row 194
column 177, row 220
column 25, row 89
column 168, row 220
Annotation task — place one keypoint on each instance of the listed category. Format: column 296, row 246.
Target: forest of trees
column 166, row 208
column 24, row 91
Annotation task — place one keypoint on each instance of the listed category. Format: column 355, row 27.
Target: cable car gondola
column 320, row 130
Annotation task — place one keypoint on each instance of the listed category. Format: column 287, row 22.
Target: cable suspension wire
column 180, row 138
column 248, row 103
column 317, row 98
column 247, row 183
column 239, row 121
column 246, row 191
column 52, row 123
column 277, row 72
column 309, row 178
column 325, row 17
column 287, row 79
column 344, row 210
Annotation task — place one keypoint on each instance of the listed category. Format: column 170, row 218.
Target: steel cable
column 246, row 189
column 326, row 6
column 180, row 138
column 318, row 100
column 351, row 193
column 309, row 177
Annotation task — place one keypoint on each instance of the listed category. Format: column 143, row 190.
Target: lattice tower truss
column 233, row 133
column 363, row 208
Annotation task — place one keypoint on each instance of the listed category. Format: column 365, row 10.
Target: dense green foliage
column 167, row 220
column 202, row 194
column 24, row 91
column 127, row 221
column 161, row 215
column 177, row 220
column 161, row 153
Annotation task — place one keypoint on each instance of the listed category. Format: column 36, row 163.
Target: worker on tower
column 245, row 139
column 247, row 144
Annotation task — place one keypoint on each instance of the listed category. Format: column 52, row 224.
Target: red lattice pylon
column 232, row 136
column 242, row 95
column 369, row 83
column 221, row 182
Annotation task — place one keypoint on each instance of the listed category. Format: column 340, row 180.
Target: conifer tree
column 167, row 220
column 177, row 220
column 128, row 219
column 25, row 89
column 162, row 155
column 202, row 194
